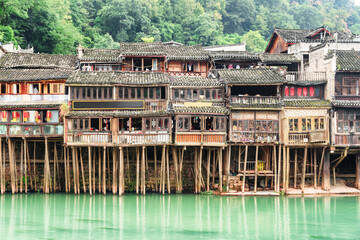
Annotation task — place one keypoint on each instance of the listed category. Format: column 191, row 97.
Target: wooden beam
column 244, row 174
column 155, row 169
column 21, row 165
column 256, row 167
column 82, row 171
column 143, row 185
column 175, row 159
column 137, row 169
column 279, row 170
column 168, row 170
column 89, row 161
column 220, row 170
column 304, row 170
column 275, row 167
column 47, row 167
column 287, row 168
column 74, row 169
column 104, row 172
column 121, row 172
column 284, row 169
column 239, row 159
column 326, row 172
column 321, row 164
column 228, row 167
column 208, row 170
column 315, row 170
column 295, row 168
column 340, row 159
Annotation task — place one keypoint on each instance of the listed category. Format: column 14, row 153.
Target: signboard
column 109, row 105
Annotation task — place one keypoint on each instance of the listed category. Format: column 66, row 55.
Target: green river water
column 61, row 216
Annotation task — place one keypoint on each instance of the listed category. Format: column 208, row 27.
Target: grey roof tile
column 251, row 76
column 91, row 54
column 17, row 75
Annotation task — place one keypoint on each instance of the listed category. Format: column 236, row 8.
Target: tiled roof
column 142, row 49
column 117, row 113
column 36, row 60
column 13, row 75
column 195, row 81
column 124, row 78
column 182, row 52
column 234, row 55
column 345, row 103
column 291, row 35
column 348, row 60
column 201, row 110
column 255, row 106
column 91, row 54
column 279, row 58
column 307, row 103
column 171, row 51
column 251, row 76
column 31, row 105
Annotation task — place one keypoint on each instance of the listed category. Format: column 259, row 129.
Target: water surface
column 61, row 216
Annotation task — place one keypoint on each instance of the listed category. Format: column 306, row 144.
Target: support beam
column 295, row 168
column 315, row 168
column 168, row 169
column 287, row 169
column 279, row 170
column 90, row 170
column 121, row 172
column 1, row 169
column 256, row 167
column 114, row 177
column 304, row 170
column 74, row 169
column 244, row 174
column 228, row 167
column 137, row 169
column 326, row 172
column 47, row 167
column 82, row 171
column 208, row 169
column 143, row 185
column 104, row 172
column 321, row 164
column 220, row 170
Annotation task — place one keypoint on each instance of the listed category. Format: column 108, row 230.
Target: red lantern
column 26, row 116
column 305, row 91
column 312, row 91
column 299, row 92
column 14, row 114
column 4, row 116
column 48, row 116
column 292, row 91
column 287, row 91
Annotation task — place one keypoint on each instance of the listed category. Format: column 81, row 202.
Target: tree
column 254, row 41
column 239, row 16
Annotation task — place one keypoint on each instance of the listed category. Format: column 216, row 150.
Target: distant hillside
column 58, row 26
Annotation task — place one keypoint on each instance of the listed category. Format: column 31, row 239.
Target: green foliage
column 58, row 26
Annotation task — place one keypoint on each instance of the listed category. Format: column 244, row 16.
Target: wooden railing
column 350, row 98
column 34, row 98
column 156, row 105
column 207, row 138
column 350, row 139
column 250, row 165
column 89, row 138
column 305, row 76
column 298, row 139
column 179, row 73
column 261, row 137
column 256, row 99
column 35, row 130
column 144, row 138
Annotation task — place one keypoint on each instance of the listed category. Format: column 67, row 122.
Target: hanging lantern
column 286, row 91
column 305, row 91
column 4, row 116
column 14, row 114
column 48, row 116
column 26, row 116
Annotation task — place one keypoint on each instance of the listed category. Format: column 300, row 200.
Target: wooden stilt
column 128, row 164
column 82, row 172
column 208, row 170
column 275, row 167
column 244, row 174
column 25, row 162
column 143, row 169
column 315, row 170
column 15, row 167
column 121, row 172
column 357, row 180
column 68, row 171
column 137, row 169
column 321, row 164
column 228, row 167
column 1, row 169
column 21, row 166
column 114, row 180
column 11, row 157
column 104, row 171
column 34, row 155
column 146, row 159
column 279, row 169
column 77, row 173
column 65, row 168
column 99, row 171
column 295, row 168
column 94, row 171
column 180, row 168
column 199, row 169
column 167, row 171
column 175, row 159
column 73, row 149
column 155, row 169
column 47, row 167
column 214, row 168
column 196, row 178
column 284, row 168
column 304, row 170
column 55, row 165
column 239, row 159
column 326, row 172
column 220, row 171
column 256, row 167
column 287, row 168
column 163, row 170
column 90, row 170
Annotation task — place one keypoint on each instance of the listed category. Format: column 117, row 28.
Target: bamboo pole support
column 104, row 171
column 82, row 171
column 279, row 169
column 208, row 170
column 175, row 159
column 220, row 171
column 74, row 168
column 121, row 172
column 245, row 162
column 256, row 167
column 228, row 168
column 90, row 170
column 295, row 168
column 304, row 170
column 168, row 171
column 143, row 169
column 137, row 169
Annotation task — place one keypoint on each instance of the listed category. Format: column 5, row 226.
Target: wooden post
column 175, row 159
column 143, row 185
column 65, row 168
column 127, row 165
column 315, row 169
column 168, row 171
column 245, row 162
column 55, row 165
column 284, row 168
column 228, row 168
column 121, row 172
column 11, row 166
column 74, row 168
column 287, row 168
column 47, row 166
column 82, row 171
column 220, row 171
column 239, row 159
column 321, row 164
column 25, row 162
column 1, row 169
column 155, row 169
column 214, row 168
column 275, row 168
column 256, row 167
column 304, row 170
column 180, row 168
column 15, row 168
column 326, row 172
column 114, row 180
column 137, row 169
column 199, row 169
column 104, row 171
column 163, row 159
column 34, row 155
column 279, row 169
column 77, row 170
column 89, row 161
column 208, row 170
column 295, row 168
column 21, row 166
column 196, row 170
column 94, row 170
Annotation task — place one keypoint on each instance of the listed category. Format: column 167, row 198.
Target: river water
column 61, row 216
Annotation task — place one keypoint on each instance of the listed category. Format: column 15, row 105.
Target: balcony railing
column 250, row 166
column 89, row 138
column 350, row 139
column 156, row 105
column 261, row 137
column 33, row 98
column 305, row 76
column 196, row 74
column 34, row 130
column 198, row 138
column 143, row 138
column 307, row 138
column 255, row 99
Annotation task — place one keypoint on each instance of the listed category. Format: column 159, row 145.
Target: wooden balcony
column 258, row 137
column 347, row 139
column 156, row 105
column 32, row 130
column 144, row 138
column 256, row 100
column 22, row 98
column 200, row 138
column 314, row 137
column 305, row 76
column 90, row 138
column 251, row 166
column 193, row 74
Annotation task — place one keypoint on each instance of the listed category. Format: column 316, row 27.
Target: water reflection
column 177, row 216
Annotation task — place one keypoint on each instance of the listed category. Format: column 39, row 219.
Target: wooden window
column 138, row 93
column 136, row 124
column 307, row 124
column 146, row 93
column 124, row 124
column 347, row 86
column 176, row 94
column 195, row 123
column 348, row 121
column 126, row 93
column 121, row 93
column 183, row 124
column 189, row 94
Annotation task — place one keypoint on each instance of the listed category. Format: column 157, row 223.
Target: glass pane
column 146, row 93
column 251, row 125
column 132, row 93
column 176, row 94
column 186, row 123
column 182, row 94
column 138, row 93
column 166, row 123
column 340, row 127
column 121, row 94
column 189, row 94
